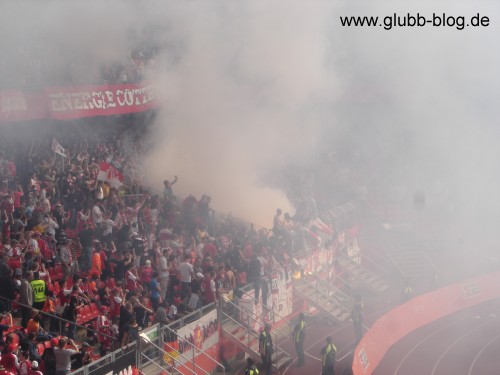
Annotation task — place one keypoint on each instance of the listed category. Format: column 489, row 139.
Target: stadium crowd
column 81, row 250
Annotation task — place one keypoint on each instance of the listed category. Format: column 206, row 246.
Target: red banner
column 22, row 106
column 63, row 103
column 87, row 101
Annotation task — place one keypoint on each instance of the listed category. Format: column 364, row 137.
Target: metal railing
column 106, row 360
column 60, row 319
column 150, row 361
column 250, row 333
column 369, row 255
column 253, row 333
column 194, row 349
column 344, row 281
column 325, row 287
column 146, row 339
column 325, row 290
column 226, row 302
column 246, row 289
column 155, row 336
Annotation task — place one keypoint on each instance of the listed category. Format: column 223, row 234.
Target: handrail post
column 317, row 291
column 161, row 342
column 194, row 363
column 138, row 356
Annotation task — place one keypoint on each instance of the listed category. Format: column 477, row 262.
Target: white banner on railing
column 202, row 333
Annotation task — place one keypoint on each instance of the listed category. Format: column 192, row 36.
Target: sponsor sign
column 63, row 103
column 203, row 334
column 22, row 106
column 75, row 102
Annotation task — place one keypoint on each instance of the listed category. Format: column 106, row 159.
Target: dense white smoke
column 242, row 99
column 253, row 87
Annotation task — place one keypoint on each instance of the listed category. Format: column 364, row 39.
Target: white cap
column 199, row 274
column 34, row 364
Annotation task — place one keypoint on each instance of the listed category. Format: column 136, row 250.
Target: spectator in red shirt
column 208, row 287
column 146, row 273
column 9, row 360
column 209, row 249
column 17, row 196
column 103, row 326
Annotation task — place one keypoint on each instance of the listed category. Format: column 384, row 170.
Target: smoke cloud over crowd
column 254, row 88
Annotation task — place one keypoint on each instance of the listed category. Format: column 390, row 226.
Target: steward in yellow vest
column 39, row 292
column 328, row 354
column 251, row 368
column 299, row 334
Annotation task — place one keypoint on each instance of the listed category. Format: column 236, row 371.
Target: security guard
column 407, row 291
column 357, row 319
column 266, row 349
column 251, row 368
column 299, row 334
column 39, row 291
column 328, row 354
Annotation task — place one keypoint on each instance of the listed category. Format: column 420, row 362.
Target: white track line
column 455, row 343
column 424, row 340
column 480, row 352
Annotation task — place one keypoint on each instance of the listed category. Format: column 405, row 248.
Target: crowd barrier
column 120, row 362
column 193, row 342
column 417, row 313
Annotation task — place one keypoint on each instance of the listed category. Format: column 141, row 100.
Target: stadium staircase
column 401, row 242
column 408, row 254
column 361, row 276
column 152, row 360
column 325, row 297
column 242, row 327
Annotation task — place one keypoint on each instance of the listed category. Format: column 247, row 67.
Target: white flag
column 110, row 174
column 57, row 148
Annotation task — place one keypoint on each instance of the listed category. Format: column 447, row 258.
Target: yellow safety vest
column 262, row 343
column 299, row 330
column 329, row 352
column 38, row 290
column 252, row 371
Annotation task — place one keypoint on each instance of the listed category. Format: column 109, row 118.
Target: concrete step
column 248, row 341
column 329, row 302
column 368, row 278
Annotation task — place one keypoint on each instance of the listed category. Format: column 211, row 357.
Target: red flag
column 110, row 174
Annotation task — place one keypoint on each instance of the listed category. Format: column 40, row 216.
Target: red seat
column 81, row 315
column 93, row 356
column 94, row 309
column 88, row 313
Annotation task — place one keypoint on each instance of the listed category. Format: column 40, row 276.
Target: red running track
column 342, row 336
column 464, row 343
